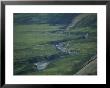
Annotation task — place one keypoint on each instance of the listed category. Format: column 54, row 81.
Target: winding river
column 64, row 51
column 43, row 64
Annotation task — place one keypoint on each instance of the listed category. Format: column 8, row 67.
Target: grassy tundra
column 53, row 44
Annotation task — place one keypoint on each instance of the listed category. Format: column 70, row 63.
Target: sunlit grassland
column 32, row 42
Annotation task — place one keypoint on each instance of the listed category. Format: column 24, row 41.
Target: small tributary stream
column 43, row 64
column 63, row 52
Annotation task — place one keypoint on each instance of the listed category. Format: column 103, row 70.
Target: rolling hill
column 54, row 43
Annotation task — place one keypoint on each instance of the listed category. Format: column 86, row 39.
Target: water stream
column 43, row 64
column 63, row 52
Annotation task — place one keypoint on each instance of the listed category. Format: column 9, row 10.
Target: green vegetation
column 46, row 41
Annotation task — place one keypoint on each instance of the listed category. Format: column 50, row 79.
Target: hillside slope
column 54, row 44
column 89, row 69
